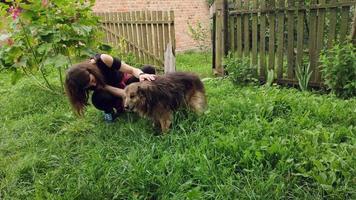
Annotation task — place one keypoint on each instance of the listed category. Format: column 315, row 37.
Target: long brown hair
column 77, row 80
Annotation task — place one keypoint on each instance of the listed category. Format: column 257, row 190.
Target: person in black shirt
column 107, row 77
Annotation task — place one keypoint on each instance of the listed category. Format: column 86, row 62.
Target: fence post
column 169, row 60
column 353, row 30
column 220, row 36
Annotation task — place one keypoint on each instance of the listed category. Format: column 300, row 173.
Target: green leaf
column 58, row 61
column 105, row 47
column 43, row 48
column 15, row 76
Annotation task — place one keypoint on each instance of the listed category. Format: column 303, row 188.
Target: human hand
column 148, row 77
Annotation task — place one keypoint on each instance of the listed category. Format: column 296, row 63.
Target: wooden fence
column 144, row 33
column 280, row 34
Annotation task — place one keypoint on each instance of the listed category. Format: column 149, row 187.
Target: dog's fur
column 159, row 98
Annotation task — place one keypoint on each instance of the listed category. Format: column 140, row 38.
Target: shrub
column 240, row 71
column 339, row 69
column 47, row 35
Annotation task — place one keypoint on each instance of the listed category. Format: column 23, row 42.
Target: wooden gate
column 146, row 34
column 280, row 34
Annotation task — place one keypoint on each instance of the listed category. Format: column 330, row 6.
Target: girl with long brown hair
column 106, row 76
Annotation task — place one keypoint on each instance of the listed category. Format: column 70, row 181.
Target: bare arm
column 109, row 60
column 136, row 72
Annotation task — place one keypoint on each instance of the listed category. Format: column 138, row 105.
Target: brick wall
column 185, row 11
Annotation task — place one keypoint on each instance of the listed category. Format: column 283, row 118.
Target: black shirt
column 111, row 74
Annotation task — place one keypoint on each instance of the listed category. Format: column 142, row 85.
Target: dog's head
column 134, row 96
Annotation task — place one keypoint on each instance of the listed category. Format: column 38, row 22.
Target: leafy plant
column 270, row 78
column 47, row 35
column 200, row 35
column 339, row 69
column 303, row 75
column 240, row 71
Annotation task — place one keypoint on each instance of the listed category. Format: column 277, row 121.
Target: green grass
column 252, row 143
column 199, row 63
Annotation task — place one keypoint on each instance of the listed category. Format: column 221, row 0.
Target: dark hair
column 77, row 80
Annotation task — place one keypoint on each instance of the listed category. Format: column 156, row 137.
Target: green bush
column 47, row 35
column 339, row 69
column 240, row 71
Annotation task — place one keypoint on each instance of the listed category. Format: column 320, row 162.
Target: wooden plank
column 232, row 32
column 144, row 36
column 113, row 28
column 246, row 31
column 213, row 41
column 122, row 29
column 149, row 36
column 300, row 36
column 353, row 29
column 220, row 9
column 262, row 51
column 280, row 38
column 128, row 33
column 271, row 47
column 320, row 40
column 344, row 23
column 290, row 45
column 166, row 30
column 312, row 39
column 112, row 38
column 160, row 36
column 172, row 32
column 254, row 34
column 225, row 27
column 134, row 35
column 116, row 28
column 169, row 60
column 332, row 25
column 103, row 17
column 138, row 35
column 155, row 35
column 239, row 30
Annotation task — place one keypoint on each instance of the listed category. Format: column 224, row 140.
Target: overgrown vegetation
column 200, row 35
column 339, row 69
column 252, row 143
column 240, row 70
column 47, row 36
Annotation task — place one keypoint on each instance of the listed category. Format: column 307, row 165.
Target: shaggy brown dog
column 159, row 98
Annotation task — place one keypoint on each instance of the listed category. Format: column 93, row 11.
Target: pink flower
column 15, row 12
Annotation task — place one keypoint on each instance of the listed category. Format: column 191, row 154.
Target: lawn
column 252, row 143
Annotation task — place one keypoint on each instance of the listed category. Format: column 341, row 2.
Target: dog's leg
column 197, row 102
column 165, row 121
